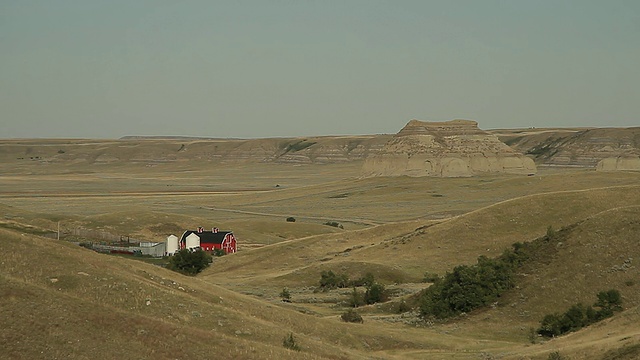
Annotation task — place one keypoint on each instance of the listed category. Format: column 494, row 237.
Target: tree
column 579, row 316
column 608, row 302
column 330, row 280
column 356, row 299
column 375, row 293
column 189, row 262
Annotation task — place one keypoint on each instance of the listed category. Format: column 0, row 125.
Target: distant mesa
column 456, row 148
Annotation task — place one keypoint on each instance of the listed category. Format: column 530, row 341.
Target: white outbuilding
column 192, row 241
column 172, row 244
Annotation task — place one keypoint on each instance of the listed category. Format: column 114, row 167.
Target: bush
column 219, row 252
column 290, row 343
column 551, row 232
column 403, row 307
column 366, row 280
column 329, row 280
column 351, row 316
column 291, row 219
column 334, row 224
column 375, row 293
column 189, row 262
column 430, row 277
column 356, row 299
column 285, row 295
column 467, row 288
column 555, row 356
column 579, row 316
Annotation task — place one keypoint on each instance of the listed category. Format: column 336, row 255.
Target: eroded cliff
column 454, row 148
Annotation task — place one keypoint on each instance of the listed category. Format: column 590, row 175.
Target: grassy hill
column 62, row 301
column 595, row 252
column 434, row 246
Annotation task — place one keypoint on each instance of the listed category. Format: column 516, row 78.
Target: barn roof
column 207, row 237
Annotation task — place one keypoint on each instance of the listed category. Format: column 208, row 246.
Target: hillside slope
column 575, row 147
column 62, row 301
column 595, row 252
column 412, row 248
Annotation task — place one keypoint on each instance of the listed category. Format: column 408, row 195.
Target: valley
column 60, row 300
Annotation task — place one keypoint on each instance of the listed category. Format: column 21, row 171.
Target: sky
column 283, row 68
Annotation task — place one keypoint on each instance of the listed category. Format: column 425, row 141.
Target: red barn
column 210, row 240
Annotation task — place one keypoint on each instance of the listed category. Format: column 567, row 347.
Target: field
column 62, row 301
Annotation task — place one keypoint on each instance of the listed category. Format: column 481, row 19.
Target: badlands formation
column 455, row 148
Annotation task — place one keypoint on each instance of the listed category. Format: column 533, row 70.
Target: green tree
column 356, row 298
column 579, row 316
column 189, row 262
column 468, row 287
column 608, row 302
column 375, row 293
column 329, row 280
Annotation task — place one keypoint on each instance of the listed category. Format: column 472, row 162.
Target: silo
column 193, row 241
column 172, row 244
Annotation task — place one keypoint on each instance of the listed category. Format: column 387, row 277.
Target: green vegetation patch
column 189, row 262
column 579, row 316
column 299, row 145
column 469, row 287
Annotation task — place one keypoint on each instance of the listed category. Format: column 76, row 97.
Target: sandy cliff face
column 602, row 148
column 621, row 163
column 454, row 148
column 311, row 150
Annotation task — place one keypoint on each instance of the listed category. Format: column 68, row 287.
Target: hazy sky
column 105, row 69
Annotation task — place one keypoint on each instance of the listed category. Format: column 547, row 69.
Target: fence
column 100, row 235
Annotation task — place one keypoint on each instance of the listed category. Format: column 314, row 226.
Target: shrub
column 356, row 299
column 375, row 293
column 351, row 316
column 329, row 280
column 291, row 219
column 579, row 316
column 285, row 295
column 189, row 262
column 334, row 224
column 551, row 232
column 290, row 343
column 555, row 356
column 366, row 280
column 403, row 307
column 430, row 277
column 219, row 252
column 467, row 288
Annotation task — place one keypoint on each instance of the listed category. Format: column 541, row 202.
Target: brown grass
column 62, row 301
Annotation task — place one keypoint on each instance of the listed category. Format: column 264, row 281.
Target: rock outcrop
column 621, row 163
column 586, row 148
column 454, row 148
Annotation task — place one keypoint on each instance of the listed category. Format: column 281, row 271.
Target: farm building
column 172, row 244
column 208, row 240
column 155, row 249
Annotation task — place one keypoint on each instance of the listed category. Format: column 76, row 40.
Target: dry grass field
column 59, row 300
